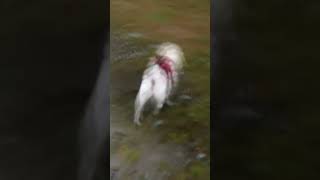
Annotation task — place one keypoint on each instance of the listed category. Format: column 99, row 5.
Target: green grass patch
column 195, row 171
column 179, row 138
column 162, row 16
column 130, row 154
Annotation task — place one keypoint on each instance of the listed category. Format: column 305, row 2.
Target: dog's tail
column 144, row 94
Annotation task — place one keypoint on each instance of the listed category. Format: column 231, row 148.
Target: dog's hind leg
column 160, row 95
column 143, row 96
column 158, row 107
column 156, row 110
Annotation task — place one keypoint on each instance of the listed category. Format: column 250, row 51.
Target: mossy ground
column 187, row 122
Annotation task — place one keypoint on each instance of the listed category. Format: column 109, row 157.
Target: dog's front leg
column 171, row 87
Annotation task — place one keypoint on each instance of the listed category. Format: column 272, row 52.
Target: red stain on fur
column 164, row 63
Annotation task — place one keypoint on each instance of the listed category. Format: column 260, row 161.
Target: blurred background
column 266, row 88
column 49, row 60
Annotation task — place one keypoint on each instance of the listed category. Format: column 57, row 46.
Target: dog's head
column 173, row 51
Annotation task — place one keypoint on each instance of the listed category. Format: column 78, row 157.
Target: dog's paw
column 138, row 123
column 156, row 112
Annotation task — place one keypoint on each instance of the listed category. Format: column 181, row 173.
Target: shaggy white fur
column 156, row 83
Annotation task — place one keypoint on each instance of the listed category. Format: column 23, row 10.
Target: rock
column 146, row 176
column 134, row 35
column 158, row 123
column 185, row 97
column 113, row 174
column 201, row 156
column 187, row 162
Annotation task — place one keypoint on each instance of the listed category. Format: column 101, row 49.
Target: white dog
column 160, row 78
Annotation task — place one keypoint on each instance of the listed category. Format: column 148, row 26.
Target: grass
column 130, row 154
column 198, row 171
column 160, row 17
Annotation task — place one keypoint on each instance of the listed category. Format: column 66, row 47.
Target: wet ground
column 175, row 144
